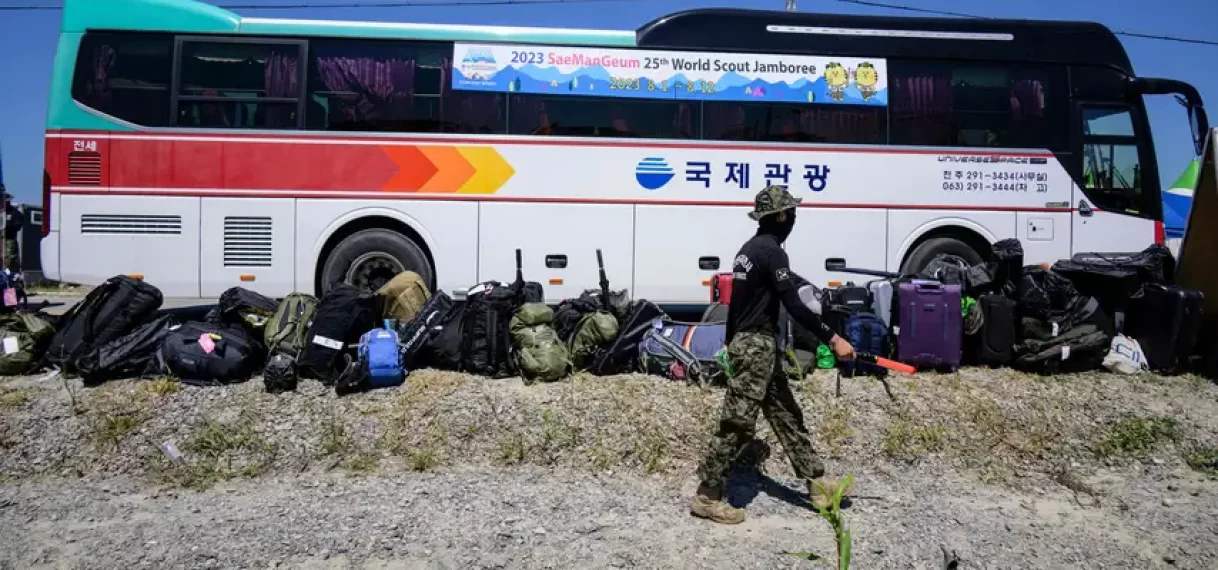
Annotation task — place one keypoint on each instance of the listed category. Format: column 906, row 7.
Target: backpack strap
column 693, row 368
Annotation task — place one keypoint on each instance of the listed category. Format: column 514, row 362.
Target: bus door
column 1116, row 202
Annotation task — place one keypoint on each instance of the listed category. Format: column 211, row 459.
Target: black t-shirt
column 761, row 274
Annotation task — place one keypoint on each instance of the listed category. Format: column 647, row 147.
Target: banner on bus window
column 650, row 74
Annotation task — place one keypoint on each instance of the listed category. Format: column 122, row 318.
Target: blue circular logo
column 653, row 173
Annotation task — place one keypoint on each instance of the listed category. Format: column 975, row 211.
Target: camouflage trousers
column 760, row 383
column 12, row 257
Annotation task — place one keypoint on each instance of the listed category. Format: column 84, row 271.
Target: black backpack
column 485, row 339
column 443, row 350
column 238, row 306
column 111, row 310
column 622, row 355
column 485, row 334
column 417, row 334
column 342, row 316
column 209, row 354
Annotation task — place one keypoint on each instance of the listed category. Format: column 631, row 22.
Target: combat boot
column 709, row 504
column 822, row 495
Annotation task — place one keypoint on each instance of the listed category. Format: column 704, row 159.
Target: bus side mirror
column 835, row 264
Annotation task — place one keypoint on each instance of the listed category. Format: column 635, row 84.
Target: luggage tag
column 10, row 297
column 208, row 342
column 10, row 345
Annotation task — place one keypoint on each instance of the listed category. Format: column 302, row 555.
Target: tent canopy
column 1178, row 200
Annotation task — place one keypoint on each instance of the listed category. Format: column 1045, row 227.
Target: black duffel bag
column 208, row 354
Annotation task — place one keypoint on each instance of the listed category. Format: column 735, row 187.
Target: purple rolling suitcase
column 930, row 325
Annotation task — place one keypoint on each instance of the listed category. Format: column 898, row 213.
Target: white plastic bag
column 1125, row 356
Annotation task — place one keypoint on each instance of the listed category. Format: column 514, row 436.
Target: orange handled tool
column 882, row 362
column 886, row 363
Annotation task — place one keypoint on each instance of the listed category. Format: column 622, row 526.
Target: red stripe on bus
column 540, row 141
column 194, row 193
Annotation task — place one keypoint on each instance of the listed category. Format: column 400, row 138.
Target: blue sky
column 27, row 44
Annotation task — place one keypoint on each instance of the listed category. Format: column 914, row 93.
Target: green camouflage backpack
column 23, row 336
column 592, row 334
column 539, row 354
column 285, row 332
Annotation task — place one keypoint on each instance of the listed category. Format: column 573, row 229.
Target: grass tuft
column 1136, row 436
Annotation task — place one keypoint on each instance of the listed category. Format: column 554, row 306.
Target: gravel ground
column 1008, row 471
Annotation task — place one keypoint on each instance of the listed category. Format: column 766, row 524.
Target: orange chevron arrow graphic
column 454, row 170
column 491, row 171
column 414, row 169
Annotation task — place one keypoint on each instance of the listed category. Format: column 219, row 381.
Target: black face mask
column 781, row 230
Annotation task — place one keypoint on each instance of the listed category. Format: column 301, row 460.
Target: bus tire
column 370, row 258
column 922, row 255
column 715, row 313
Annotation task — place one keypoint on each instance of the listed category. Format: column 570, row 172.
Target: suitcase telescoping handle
column 600, row 264
column 838, row 265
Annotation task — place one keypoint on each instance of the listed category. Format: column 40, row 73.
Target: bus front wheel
column 370, row 258
column 921, row 256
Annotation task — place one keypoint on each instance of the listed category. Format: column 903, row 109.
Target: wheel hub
column 373, row 270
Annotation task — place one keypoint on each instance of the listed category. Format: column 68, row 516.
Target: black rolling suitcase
column 1166, row 321
column 995, row 343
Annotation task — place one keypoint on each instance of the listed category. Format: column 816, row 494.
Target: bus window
column 836, row 124
column 393, row 86
column 582, row 116
column 1112, row 172
column 977, row 105
column 238, row 85
column 125, row 75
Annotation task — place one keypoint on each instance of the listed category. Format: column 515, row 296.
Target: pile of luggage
column 1115, row 311
column 1121, row 312
column 354, row 341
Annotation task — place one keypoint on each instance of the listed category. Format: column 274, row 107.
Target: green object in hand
column 825, row 358
column 724, row 362
column 966, row 303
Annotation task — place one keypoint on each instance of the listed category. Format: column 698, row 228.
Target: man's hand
column 841, row 349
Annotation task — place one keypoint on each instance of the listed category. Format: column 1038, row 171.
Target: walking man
column 13, row 222
column 763, row 279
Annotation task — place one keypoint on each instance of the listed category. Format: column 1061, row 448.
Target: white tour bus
column 204, row 150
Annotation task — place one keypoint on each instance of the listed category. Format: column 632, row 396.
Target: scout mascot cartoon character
column 836, row 77
column 865, row 78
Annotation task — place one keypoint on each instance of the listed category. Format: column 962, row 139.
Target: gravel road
column 537, row 518
column 458, row 472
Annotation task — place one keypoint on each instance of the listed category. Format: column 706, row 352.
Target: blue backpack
column 867, row 333
column 382, row 358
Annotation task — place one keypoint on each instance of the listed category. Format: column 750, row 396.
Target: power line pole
column 790, row 5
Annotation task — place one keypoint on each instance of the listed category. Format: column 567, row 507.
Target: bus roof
column 716, row 29
column 192, row 16
column 1033, row 41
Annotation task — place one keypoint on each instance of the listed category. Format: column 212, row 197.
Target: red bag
column 721, row 288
